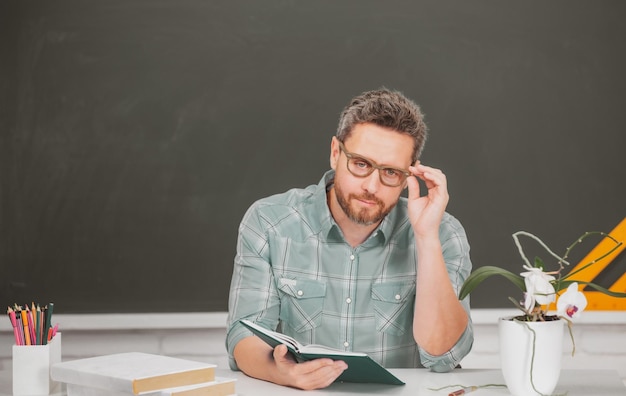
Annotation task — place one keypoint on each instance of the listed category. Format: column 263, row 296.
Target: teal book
column 361, row 367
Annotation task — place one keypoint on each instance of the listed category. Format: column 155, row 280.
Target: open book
column 361, row 368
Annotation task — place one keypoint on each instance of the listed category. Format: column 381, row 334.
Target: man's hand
column 257, row 359
column 425, row 212
column 314, row 374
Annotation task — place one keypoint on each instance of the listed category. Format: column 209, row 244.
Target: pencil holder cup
column 31, row 368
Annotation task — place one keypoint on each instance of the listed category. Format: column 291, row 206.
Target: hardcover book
column 361, row 368
column 133, row 372
column 220, row 387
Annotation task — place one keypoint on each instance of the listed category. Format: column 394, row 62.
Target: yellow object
column 596, row 300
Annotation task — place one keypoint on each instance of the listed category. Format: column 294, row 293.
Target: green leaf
column 539, row 263
column 563, row 284
column 603, row 290
column 482, row 273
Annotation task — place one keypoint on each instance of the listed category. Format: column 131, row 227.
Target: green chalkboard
column 134, row 134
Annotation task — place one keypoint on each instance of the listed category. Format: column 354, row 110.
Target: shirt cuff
column 237, row 333
column 449, row 360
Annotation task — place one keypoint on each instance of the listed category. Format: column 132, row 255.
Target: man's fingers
column 414, row 188
column 281, row 354
column 428, row 174
column 314, row 374
column 319, row 373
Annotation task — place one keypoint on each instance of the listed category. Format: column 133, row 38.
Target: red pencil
column 16, row 330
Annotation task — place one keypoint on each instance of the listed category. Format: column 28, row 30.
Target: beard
column 362, row 216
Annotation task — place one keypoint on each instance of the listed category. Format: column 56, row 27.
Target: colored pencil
column 25, row 327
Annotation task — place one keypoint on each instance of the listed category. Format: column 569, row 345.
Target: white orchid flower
column 538, row 285
column 572, row 302
column 529, row 302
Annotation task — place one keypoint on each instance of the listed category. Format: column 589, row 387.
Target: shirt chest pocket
column 302, row 302
column 393, row 306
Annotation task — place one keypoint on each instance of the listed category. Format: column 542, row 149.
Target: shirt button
column 398, row 297
column 348, row 300
column 300, row 292
column 352, row 257
column 346, row 344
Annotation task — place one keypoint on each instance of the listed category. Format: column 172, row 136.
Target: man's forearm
column 254, row 358
column 439, row 319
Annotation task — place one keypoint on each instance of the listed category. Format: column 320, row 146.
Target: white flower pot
column 516, row 355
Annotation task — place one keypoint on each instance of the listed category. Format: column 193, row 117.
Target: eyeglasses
column 362, row 167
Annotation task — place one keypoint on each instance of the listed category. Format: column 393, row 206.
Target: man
column 351, row 264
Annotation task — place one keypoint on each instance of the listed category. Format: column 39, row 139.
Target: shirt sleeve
column 455, row 247
column 253, row 294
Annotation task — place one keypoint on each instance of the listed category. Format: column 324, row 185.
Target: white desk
column 418, row 382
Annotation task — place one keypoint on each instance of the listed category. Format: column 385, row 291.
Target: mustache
column 367, row 197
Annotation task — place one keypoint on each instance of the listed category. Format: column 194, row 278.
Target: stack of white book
column 136, row 373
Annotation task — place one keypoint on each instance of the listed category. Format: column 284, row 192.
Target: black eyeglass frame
column 373, row 165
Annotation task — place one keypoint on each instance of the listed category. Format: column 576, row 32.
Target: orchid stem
column 539, row 241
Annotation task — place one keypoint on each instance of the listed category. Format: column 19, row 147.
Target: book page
column 298, row 347
column 285, row 339
column 315, row 348
column 278, row 337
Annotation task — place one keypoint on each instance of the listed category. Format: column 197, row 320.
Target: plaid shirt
column 295, row 273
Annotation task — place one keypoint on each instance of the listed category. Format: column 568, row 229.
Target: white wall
column 600, row 338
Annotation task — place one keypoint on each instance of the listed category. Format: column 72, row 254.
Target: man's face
column 366, row 200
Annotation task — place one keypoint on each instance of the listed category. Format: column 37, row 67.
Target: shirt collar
column 328, row 226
